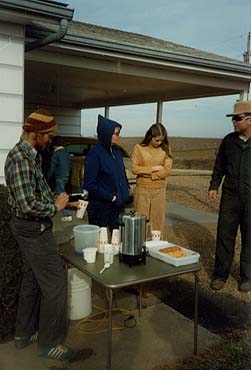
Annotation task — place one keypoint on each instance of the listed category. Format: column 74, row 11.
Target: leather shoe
column 217, row 284
column 245, row 286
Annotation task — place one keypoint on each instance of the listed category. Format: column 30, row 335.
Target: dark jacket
column 234, row 162
column 104, row 174
column 60, row 166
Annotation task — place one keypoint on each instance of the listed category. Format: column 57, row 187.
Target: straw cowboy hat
column 241, row 108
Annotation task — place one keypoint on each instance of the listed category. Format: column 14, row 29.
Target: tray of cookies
column 173, row 254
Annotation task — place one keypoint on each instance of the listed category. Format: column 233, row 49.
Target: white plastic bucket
column 85, row 236
column 79, row 295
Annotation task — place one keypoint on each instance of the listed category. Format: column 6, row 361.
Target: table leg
column 196, row 279
column 140, row 299
column 109, row 333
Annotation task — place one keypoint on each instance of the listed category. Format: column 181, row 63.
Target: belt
column 34, row 219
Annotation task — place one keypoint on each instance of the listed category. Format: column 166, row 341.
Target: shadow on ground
column 218, row 312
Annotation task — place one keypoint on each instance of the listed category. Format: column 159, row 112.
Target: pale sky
column 217, row 26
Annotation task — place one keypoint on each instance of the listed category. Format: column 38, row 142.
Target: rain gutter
column 52, row 9
column 33, row 10
column 50, row 38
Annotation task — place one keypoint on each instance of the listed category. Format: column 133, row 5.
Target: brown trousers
column 152, row 204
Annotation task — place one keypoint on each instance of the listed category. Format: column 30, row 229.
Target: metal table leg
column 109, row 334
column 195, row 340
column 140, row 299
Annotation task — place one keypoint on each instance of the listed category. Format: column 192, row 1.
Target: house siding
column 11, row 87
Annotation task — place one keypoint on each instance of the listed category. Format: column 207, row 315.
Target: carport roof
column 103, row 66
column 108, row 38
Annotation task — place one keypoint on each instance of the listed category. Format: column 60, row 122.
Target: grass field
column 188, row 153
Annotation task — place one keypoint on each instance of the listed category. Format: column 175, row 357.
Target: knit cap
column 39, row 121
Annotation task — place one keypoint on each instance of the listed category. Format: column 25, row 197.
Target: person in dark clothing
column 59, row 171
column 234, row 163
column 42, row 304
column 105, row 178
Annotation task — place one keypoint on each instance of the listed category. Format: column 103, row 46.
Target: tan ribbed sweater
column 143, row 159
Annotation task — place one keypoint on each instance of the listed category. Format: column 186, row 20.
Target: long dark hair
column 157, row 129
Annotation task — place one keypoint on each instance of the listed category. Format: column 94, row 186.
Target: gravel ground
column 191, row 191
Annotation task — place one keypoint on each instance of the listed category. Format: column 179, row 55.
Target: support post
column 244, row 95
column 107, row 111
column 159, row 112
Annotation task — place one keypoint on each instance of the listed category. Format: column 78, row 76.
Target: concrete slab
column 161, row 336
column 190, row 172
column 176, row 214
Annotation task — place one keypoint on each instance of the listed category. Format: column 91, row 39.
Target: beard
column 39, row 148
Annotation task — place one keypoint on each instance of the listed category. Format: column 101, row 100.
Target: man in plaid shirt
column 42, row 306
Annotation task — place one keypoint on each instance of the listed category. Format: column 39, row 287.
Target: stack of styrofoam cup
column 116, row 240
column 103, row 239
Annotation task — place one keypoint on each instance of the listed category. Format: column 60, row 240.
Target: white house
column 48, row 60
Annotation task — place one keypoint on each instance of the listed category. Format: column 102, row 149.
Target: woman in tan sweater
column 152, row 163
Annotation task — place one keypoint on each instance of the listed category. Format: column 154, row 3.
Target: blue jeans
column 60, row 188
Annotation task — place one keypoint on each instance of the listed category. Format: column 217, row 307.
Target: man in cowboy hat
column 234, row 163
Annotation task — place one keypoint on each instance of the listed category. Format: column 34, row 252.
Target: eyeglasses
column 239, row 118
column 49, row 134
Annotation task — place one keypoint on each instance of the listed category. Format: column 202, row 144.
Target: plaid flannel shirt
column 29, row 193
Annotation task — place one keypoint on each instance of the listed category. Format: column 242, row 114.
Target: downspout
column 49, row 39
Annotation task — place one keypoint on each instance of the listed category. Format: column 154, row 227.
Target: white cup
column 103, row 239
column 116, row 240
column 82, row 208
column 108, row 253
column 89, row 254
column 155, row 234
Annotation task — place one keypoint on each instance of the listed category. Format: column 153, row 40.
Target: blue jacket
column 104, row 174
column 60, row 164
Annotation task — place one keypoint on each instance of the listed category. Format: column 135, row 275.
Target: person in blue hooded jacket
column 105, row 177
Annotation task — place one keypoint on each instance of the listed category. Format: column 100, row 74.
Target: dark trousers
column 104, row 214
column 234, row 211
column 42, row 301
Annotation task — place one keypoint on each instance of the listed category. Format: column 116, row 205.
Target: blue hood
column 105, row 130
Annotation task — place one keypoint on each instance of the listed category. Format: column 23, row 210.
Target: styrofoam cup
column 116, row 239
column 108, row 253
column 82, row 208
column 89, row 254
column 103, row 239
column 155, row 234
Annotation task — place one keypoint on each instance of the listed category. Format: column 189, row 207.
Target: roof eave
column 39, row 8
column 140, row 51
column 145, row 52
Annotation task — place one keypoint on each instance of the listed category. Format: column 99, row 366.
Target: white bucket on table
column 85, row 236
column 79, row 294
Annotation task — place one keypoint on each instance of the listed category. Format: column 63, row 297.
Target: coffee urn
column 133, row 238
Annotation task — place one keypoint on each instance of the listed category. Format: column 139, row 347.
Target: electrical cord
column 97, row 323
